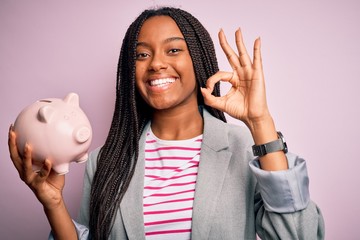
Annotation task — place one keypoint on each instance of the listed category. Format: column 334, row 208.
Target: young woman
column 171, row 167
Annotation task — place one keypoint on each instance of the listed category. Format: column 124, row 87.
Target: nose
column 158, row 62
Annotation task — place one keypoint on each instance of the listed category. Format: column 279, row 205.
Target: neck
column 177, row 124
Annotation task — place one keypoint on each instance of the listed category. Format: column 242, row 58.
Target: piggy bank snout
column 82, row 134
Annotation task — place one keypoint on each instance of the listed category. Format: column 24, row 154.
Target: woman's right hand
column 46, row 184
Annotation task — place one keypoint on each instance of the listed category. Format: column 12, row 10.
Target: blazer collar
column 214, row 162
column 215, row 132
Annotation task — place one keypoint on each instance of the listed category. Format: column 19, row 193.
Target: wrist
column 54, row 206
column 60, row 221
column 263, row 130
column 270, row 147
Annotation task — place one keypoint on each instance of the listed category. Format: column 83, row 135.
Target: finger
column 243, row 55
column 229, row 52
column 221, row 76
column 27, row 170
column 45, row 170
column 257, row 54
column 210, row 99
column 14, row 153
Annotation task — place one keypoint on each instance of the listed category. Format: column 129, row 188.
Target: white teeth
column 161, row 82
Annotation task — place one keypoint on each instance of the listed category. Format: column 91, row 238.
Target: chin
column 162, row 105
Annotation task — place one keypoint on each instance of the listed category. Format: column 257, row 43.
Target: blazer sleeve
column 282, row 203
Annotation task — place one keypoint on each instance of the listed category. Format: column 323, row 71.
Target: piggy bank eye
column 73, row 114
column 70, row 115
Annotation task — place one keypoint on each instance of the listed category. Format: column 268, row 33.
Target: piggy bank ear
column 72, row 99
column 46, row 113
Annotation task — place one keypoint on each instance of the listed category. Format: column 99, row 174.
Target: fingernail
column 46, row 163
column 26, row 147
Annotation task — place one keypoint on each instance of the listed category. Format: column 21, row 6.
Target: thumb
column 45, row 170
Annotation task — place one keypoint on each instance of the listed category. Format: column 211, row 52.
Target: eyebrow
column 165, row 41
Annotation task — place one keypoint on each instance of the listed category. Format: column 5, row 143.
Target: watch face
column 281, row 136
column 285, row 148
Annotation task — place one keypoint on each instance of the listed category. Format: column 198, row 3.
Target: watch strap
column 273, row 146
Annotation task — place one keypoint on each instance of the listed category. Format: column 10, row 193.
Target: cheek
column 190, row 76
column 187, row 68
column 139, row 73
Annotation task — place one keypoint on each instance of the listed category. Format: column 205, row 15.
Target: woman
column 171, row 168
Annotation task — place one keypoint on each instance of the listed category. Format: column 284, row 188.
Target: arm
column 282, row 205
column 82, row 222
column 307, row 224
column 47, row 187
column 283, row 208
column 60, row 221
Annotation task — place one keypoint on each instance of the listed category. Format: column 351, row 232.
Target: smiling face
column 165, row 75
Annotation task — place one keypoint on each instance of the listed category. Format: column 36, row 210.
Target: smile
column 161, row 82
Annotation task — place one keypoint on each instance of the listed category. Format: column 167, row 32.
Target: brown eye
column 142, row 56
column 175, row 50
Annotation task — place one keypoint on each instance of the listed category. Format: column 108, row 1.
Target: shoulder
column 94, row 153
column 92, row 161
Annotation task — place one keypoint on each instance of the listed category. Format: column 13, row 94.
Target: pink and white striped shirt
column 170, row 176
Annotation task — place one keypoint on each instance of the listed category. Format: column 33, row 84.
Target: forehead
column 159, row 27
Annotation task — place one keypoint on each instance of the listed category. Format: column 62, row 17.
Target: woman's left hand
column 246, row 100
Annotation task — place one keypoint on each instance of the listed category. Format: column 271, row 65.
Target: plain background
column 311, row 62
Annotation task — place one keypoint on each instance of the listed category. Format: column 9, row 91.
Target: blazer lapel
column 214, row 161
column 132, row 204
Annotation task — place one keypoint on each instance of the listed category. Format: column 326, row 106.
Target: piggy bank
column 56, row 129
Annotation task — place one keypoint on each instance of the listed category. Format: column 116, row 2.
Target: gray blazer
column 233, row 199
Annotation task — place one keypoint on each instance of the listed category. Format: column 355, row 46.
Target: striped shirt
column 170, row 176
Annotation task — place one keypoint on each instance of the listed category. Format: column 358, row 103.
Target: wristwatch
column 274, row 146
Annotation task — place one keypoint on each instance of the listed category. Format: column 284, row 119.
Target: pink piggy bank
column 57, row 130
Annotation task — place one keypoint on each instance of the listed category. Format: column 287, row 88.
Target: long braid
column 202, row 52
column 118, row 156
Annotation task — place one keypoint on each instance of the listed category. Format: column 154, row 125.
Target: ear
column 46, row 113
column 72, row 99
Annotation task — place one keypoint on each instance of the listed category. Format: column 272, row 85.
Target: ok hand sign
column 246, row 100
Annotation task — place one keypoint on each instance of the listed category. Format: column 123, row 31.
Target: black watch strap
column 274, row 146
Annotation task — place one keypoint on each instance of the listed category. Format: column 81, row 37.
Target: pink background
column 311, row 61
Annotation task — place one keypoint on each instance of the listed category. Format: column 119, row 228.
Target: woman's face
column 165, row 75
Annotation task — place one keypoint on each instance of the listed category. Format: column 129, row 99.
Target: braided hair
column 118, row 156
